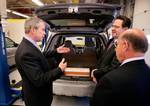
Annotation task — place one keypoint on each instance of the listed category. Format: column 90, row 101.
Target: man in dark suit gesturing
column 37, row 76
column 128, row 85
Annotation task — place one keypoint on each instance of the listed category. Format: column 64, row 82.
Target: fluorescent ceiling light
column 39, row 3
column 8, row 10
column 17, row 13
column 14, row 12
column 54, row 2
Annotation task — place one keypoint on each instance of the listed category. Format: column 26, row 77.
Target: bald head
column 136, row 38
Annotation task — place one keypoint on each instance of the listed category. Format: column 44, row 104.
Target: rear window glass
column 82, row 41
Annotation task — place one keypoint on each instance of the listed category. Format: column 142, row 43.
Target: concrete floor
column 70, row 101
column 61, row 101
column 57, row 100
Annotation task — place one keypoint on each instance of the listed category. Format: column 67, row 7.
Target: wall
column 142, row 15
column 141, row 20
column 15, row 29
column 3, row 14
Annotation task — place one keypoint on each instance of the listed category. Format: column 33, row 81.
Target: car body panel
column 94, row 16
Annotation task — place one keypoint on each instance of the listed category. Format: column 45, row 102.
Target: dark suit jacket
column 129, row 85
column 37, row 76
column 107, row 62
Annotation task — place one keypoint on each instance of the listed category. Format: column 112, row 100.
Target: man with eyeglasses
column 108, row 61
column 129, row 84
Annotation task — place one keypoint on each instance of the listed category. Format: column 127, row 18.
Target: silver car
column 11, row 48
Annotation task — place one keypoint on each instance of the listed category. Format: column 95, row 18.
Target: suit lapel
column 37, row 52
column 31, row 45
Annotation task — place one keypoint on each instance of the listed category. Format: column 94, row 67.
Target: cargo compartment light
column 39, row 3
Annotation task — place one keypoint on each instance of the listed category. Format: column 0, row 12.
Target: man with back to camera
column 37, row 76
column 129, row 85
column 108, row 61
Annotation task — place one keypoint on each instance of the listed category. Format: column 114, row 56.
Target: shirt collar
column 132, row 59
column 31, row 40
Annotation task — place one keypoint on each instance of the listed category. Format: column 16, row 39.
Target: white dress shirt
column 132, row 59
column 32, row 41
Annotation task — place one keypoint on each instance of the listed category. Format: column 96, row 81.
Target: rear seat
column 86, row 59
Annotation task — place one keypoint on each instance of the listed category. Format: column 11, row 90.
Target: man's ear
column 32, row 29
column 125, row 28
column 126, row 45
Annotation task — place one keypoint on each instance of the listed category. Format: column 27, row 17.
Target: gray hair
column 32, row 22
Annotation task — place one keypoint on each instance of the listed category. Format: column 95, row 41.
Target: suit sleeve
column 53, row 57
column 35, row 73
column 101, row 71
column 103, row 93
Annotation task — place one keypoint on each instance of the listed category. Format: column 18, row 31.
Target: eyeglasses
column 115, row 43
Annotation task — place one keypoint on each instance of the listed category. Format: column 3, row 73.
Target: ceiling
column 27, row 7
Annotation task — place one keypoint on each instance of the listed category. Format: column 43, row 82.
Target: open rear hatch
column 74, row 21
column 96, row 16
